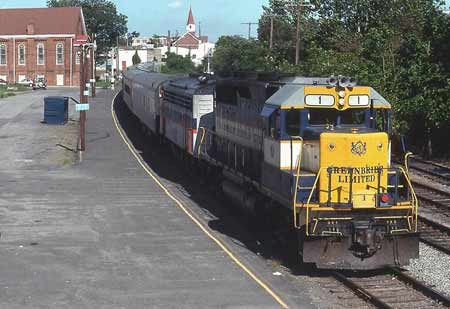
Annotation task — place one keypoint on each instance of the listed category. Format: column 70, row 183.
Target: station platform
column 101, row 233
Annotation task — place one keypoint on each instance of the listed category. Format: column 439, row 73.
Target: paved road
column 99, row 234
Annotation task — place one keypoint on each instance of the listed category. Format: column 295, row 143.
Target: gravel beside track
column 433, row 267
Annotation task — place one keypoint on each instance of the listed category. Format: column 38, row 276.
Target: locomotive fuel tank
column 239, row 196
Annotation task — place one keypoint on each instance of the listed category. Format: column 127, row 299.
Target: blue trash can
column 56, row 110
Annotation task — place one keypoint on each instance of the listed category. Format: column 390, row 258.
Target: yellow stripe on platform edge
column 190, row 215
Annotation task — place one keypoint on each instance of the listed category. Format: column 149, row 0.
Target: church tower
column 190, row 27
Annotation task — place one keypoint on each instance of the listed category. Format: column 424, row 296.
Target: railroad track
column 435, row 203
column 431, row 169
column 393, row 288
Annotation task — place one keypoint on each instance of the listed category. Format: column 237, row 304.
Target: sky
column 148, row 17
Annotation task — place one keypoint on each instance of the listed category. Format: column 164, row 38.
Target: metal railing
column 297, row 176
column 414, row 200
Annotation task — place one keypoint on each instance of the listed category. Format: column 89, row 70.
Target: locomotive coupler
column 366, row 239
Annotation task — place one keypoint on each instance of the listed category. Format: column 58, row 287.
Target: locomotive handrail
column 407, row 155
column 297, row 177
column 414, row 200
column 202, row 139
column 310, row 197
column 291, row 139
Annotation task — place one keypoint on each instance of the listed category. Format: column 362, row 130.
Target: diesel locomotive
column 317, row 149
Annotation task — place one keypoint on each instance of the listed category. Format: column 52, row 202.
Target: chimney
column 30, row 29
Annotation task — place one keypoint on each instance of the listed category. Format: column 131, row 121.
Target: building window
column 77, row 58
column 21, row 54
column 2, row 54
column 59, row 53
column 40, row 54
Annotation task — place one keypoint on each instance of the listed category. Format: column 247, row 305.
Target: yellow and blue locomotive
column 320, row 148
column 317, row 149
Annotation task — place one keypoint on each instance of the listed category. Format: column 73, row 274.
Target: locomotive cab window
column 322, row 116
column 275, row 125
column 352, row 116
column 292, row 122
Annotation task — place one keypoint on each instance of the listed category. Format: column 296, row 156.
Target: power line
column 249, row 27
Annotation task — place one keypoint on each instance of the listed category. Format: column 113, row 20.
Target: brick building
column 40, row 43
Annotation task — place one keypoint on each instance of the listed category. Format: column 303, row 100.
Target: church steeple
column 190, row 27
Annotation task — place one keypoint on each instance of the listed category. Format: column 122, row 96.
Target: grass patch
column 6, row 94
column 104, row 84
column 13, row 88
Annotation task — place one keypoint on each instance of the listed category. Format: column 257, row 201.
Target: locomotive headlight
column 380, row 146
column 341, row 94
column 341, row 102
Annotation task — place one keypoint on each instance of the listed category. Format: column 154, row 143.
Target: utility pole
column 271, row 32
column 117, row 57
column 249, row 28
column 297, row 34
column 169, row 41
column 92, row 79
column 83, row 99
column 199, row 29
column 298, row 8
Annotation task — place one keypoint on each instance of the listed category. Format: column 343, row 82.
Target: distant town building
column 189, row 44
column 142, row 42
column 125, row 59
column 151, row 49
column 40, row 43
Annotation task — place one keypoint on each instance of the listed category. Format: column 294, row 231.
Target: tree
column 102, row 19
column 131, row 36
column 178, row 64
column 136, row 59
column 234, row 53
column 399, row 48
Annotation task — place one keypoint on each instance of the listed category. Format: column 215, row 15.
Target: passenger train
column 318, row 149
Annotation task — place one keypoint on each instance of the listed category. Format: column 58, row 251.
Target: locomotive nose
column 355, row 165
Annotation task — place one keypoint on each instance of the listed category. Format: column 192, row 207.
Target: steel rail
column 442, row 229
column 419, row 286
column 360, row 291
column 422, row 169
column 378, row 302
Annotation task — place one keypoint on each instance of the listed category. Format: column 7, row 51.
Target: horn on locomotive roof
column 352, row 82
column 332, row 81
column 341, row 81
column 344, row 81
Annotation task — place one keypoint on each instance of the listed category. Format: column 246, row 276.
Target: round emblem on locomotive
column 359, row 148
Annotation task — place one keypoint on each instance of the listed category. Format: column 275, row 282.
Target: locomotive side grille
column 178, row 99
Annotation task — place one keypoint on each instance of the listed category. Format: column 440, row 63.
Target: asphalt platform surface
column 101, row 233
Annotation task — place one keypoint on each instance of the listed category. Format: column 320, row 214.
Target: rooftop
column 66, row 20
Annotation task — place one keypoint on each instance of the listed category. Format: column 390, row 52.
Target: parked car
column 3, row 82
column 39, row 83
column 26, row 82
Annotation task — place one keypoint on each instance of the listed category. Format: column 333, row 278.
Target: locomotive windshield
column 296, row 121
column 355, row 116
